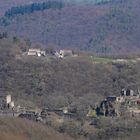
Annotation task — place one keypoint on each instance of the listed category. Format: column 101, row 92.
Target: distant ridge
column 111, row 28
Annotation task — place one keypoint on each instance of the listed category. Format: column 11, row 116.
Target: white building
column 127, row 92
column 36, row 52
column 65, row 53
column 120, row 61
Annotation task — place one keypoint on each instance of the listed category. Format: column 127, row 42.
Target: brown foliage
column 20, row 129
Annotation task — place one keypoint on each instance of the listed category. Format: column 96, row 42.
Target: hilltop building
column 36, row 52
column 65, row 53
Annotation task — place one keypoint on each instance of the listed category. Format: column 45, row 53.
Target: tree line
column 27, row 9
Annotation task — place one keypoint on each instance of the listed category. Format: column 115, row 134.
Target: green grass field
column 101, row 59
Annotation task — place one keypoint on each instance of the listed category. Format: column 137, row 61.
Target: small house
column 127, row 92
column 36, row 52
column 65, row 53
column 111, row 98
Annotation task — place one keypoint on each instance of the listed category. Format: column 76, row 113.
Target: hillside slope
column 20, row 129
column 7, row 4
column 104, row 29
column 74, row 81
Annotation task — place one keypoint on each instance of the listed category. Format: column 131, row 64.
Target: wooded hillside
column 107, row 28
column 75, row 81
